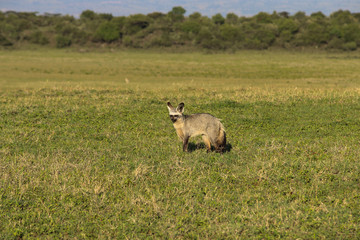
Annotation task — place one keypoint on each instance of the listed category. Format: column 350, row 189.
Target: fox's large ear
column 170, row 107
column 180, row 108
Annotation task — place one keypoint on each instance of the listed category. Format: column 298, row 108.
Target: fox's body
column 204, row 124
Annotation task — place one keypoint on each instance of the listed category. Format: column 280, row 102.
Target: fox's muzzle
column 174, row 118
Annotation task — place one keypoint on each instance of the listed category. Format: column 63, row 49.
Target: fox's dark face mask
column 174, row 118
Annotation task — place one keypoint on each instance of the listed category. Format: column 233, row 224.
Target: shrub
column 316, row 33
column 230, row 33
column 10, row 31
column 349, row 46
column 162, row 41
column 351, row 33
column 107, row 32
column 213, row 44
column 266, row 35
column 336, row 43
column 4, row 41
column 287, row 24
column 38, row 38
column 204, row 35
column 81, row 37
column 285, row 36
column 127, row 41
column 254, row 44
column 119, row 23
column 190, row 27
column 63, row 41
column 66, row 30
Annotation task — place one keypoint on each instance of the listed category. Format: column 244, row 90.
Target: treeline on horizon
column 339, row 30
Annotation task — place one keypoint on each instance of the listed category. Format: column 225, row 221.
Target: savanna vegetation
column 87, row 150
column 340, row 30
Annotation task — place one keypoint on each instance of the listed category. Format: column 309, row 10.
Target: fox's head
column 175, row 113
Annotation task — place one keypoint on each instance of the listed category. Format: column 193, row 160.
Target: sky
column 205, row 7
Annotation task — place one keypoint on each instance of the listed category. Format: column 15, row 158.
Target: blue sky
column 205, row 7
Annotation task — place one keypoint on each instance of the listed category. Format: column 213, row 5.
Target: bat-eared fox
column 204, row 124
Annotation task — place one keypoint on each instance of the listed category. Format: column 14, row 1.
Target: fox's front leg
column 185, row 143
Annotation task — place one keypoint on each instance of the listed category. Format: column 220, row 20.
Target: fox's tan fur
column 204, row 124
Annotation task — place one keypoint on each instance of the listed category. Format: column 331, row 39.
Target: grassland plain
column 84, row 155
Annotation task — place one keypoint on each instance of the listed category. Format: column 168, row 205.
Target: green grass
column 83, row 154
column 42, row 68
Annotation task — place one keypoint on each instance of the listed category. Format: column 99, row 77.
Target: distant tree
column 339, row 30
column 356, row 16
column 287, row 24
column 218, row 19
column 191, row 26
column 177, row 14
column 263, row 17
column 80, row 37
column 119, row 22
column 258, row 36
column 164, row 40
column 38, row 37
column 300, row 16
column 336, row 43
column 4, row 41
column 66, row 29
column 266, row 35
column 231, row 18
column 2, row 16
column 318, row 15
column 316, row 34
column 106, row 16
column 195, row 16
column 91, row 21
column 342, row 17
column 135, row 23
column 10, row 31
column 229, row 33
column 284, row 14
column 88, row 14
column 287, row 28
column 351, row 33
column 156, row 15
column 107, row 32
column 204, row 35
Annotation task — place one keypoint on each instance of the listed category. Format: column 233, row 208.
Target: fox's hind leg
column 207, row 142
column 221, row 143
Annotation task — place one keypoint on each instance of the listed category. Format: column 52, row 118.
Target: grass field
column 85, row 154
